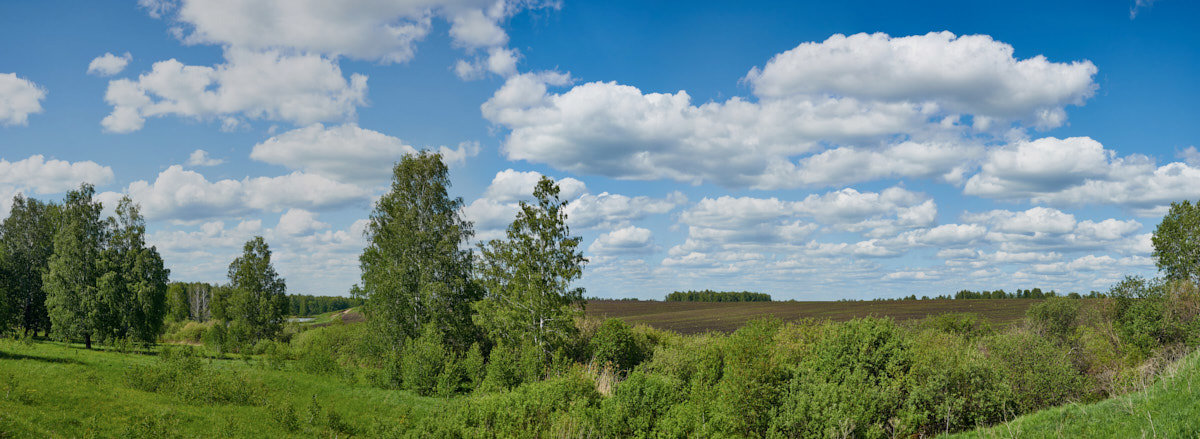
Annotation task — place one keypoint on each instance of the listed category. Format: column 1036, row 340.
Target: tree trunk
column 87, row 340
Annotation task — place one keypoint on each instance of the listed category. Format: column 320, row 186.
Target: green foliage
column 26, row 244
column 1177, row 243
column 1056, row 317
column 717, row 296
column 181, row 372
column 528, row 276
column 750, row 380
column 951, row 386
column 965, row 324
column 614, row 343
column 414, row 269
column 305, row 305
column 259, row 303
column 1038, row 371
column 850, row 384
column 71, row 280
column 637, row 404
column 422, row 361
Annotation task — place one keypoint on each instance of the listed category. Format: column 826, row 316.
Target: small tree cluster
column 717, row 296
column 420, row 276
column 101, row 281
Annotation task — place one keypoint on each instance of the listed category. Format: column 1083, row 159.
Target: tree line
column 73, row 275
column 70, row 273
column 717, row 296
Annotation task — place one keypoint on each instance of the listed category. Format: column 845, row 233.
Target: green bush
column 614, row 343
column 1039, row 372
column 217, row 338
column 969, row 325
column 422, row 361
column 1056, row 317
column 950, row 386
column 851, row 384
column 189, row 331
column 637, row 404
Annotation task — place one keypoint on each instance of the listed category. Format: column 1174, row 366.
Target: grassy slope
column 1169, row 408
column 52, row 390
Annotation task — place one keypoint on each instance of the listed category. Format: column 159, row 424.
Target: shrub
column 528, row 410
column 216, row 338
column 750, row 380
column 1056, row 317
column 637, row 404
column 614, row 343
column 851, row 384
column 969, row 325
column 1039, row 373
column 283, row 413
column 189, row 332
column 422, row 360
column 950, row 386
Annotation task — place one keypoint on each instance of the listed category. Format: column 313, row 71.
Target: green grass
column 1168, row 408
column 55, row 390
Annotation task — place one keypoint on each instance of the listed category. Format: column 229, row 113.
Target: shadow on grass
column 15, row 356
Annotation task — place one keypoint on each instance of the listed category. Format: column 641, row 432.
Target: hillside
column 1168, row 408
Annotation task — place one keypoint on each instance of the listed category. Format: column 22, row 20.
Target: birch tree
column 528, row 276
column 417, row 269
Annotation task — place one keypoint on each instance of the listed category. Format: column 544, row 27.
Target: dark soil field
column 697, row 317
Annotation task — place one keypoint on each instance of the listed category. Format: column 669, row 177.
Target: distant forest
column 305, row 305
column 717, row 296
column 1035, row 293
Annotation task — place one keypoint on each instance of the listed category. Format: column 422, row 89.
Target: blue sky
column 815, row 151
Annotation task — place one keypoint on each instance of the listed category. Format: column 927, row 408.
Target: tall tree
column 528, row 276
column 27, row 239
column 133, row 283
column 71, row 279
column 260, row 302
column 1177, row 242
column 416, row 269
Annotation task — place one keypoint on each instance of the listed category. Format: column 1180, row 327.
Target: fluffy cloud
column 1080, row 171
column 301, row 89
column 826, row 113
column 971, row 74
column 510, row 185
column 179, row 194
column 51, row 176
column 612, row 210
column 108, row 64
column 623, row 241
column 200, row 157
column 299, row 222
column 359, row 29
column 346, row 152
column 18, row 99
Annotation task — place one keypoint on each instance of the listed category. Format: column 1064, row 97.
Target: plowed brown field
column 697, row 317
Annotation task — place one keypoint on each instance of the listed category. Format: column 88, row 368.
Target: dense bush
column 614, row 343
column 850, row 384
column 965, row 324
column 1039, row 372
column 1056, row 317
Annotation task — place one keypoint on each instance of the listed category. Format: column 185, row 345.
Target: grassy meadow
column 757, row 381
